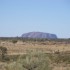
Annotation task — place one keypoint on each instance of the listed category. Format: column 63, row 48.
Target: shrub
column 3, row 52
column 31, row 61
column 14, row 41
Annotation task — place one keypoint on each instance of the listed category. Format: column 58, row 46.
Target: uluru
column 39, row 35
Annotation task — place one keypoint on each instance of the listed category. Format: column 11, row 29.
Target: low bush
column 31, row 61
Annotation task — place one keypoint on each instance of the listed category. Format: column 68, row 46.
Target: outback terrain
column 34, row 54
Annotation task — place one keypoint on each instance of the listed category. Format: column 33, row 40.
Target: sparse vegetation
column 43, row 55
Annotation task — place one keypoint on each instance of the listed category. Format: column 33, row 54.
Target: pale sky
column 22, row 16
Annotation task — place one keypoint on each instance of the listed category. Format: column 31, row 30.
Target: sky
column 22, row 16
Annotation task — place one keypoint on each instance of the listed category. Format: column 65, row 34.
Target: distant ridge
column 39, row 35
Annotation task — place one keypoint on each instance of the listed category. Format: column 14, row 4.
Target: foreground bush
column 30, row 61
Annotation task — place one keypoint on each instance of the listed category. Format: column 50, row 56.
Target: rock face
column 39, row 35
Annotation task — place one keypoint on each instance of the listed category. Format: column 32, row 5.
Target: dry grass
column 22, row 47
